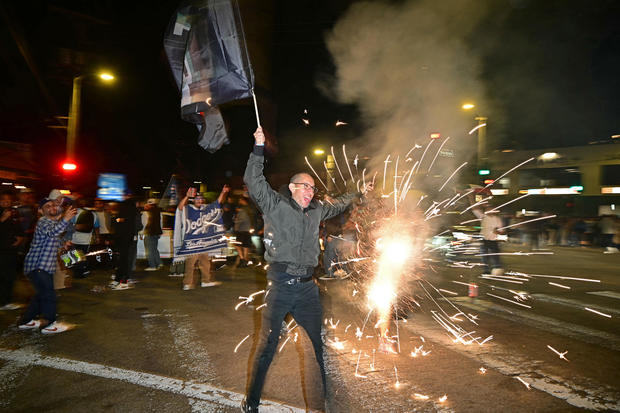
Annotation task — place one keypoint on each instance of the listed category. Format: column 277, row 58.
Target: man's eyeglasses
column 306, row 186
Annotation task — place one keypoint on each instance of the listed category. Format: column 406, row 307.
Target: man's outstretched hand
column 259, row 136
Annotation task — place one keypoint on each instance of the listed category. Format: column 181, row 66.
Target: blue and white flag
column 197, row 231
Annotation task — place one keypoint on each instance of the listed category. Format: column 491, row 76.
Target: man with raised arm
column 291, row 238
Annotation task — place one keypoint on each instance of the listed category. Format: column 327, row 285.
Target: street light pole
column 74, row 116
column 482, row 141
column 74, row 111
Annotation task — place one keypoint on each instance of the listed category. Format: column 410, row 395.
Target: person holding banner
column 292, row 218
column 198, row 234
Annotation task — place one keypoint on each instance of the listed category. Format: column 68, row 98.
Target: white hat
column 54, row 194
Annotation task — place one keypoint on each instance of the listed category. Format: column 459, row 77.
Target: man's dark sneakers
column 248, row 409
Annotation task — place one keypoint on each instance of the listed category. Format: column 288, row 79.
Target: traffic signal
column 69, row 166
column 435, row 135
column 484, row 172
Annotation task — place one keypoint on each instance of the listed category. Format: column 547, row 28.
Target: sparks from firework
column 305, row 121
column 241, row 342
column 344, row 152
column 315, row 174
column 401, row 187
column 559, row 285
column 249, row 299
column 510, row 301
column 526, row 384
column 443, row 398
column 397, row 383
column 597, row 312
column 339, row 123
column 560, row 355
column 477, row 127
column 482, row 370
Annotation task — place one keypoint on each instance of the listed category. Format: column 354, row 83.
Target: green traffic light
column 483, row 172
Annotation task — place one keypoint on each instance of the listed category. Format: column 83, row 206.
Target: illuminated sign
column 610, row 190
column 499, row 191
column 573, row 190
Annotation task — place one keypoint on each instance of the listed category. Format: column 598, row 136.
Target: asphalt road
column 156, row 348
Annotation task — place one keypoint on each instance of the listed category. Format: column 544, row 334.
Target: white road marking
column 574, row 303
column 189, row 389
column 609, row 294
column 577, row 332
column 508, row 362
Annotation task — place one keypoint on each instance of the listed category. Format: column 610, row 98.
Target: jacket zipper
column 303, row 233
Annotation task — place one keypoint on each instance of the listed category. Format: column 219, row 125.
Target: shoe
column 210, row 284
column 113, row 284
column 248, row 409
column 122, row 286
column 187, row 287
column 10, row 306
column 174, row 274
column 497, row 271
column 113, row 277
column 32, row 324
column 160, row 266
column 54, row 328
column 150, row 269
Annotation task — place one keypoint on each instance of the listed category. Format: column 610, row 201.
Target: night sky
column 548, row 74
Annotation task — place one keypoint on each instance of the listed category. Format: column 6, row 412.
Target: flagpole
column 256, row 108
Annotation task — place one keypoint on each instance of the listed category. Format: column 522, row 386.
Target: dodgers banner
column 197, row 231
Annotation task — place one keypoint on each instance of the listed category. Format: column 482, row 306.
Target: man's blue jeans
column 152, row 253
column 302, row 302
column 44, row 301
column 489, row 251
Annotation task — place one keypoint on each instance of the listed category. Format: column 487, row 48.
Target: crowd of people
column 61, row 237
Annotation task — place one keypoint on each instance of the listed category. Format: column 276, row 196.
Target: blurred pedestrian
column 40, row 264
column 243, row 227
column 203, row 259
column 152, row 233
column 608, row 227
column 27, row 210
column 125, row 227
column 11, row 236
column 490, row 230
column 292, row 218
column 85, row 232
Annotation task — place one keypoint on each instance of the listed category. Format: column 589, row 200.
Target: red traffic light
column 488, row 181
column 68, row 166
column 435, row 135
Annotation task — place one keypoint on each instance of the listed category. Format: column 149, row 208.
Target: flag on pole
column 207, row 53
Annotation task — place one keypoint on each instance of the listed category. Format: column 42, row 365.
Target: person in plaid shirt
column 40, row 265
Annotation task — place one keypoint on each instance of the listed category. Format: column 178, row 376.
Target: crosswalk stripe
column 509, row 362
column 574, row 303
column 609, row 294
column 200, row 391
column 577, row 332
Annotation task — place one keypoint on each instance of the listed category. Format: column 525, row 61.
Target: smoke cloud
column 408, row 68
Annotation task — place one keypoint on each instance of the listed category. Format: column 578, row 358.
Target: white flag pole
column 256, row 108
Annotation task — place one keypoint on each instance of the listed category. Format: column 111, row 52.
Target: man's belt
column 298, row 280
column 292, row 269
